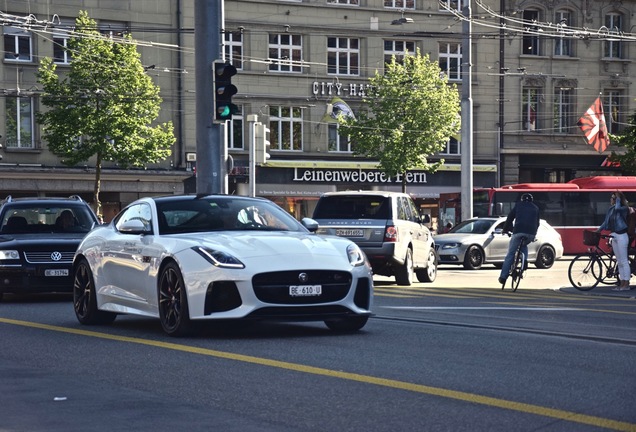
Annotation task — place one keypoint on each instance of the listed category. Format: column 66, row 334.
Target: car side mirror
column 310, row 224
column 133, row 226
column 425, row 218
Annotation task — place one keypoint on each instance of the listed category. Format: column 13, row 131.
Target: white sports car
column 217, row 257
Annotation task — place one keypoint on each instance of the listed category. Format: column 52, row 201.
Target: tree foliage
column 412, row 112
column 626, row 139
column 103, row 105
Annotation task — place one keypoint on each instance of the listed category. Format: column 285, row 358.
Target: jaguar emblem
column 303, row 277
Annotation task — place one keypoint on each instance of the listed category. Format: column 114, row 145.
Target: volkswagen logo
column 56, row 256
column 303, row 277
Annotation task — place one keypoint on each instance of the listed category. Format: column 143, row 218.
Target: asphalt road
column 455, row 355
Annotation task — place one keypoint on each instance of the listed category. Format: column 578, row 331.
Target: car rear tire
column 174, row 313
column 85, row 298
column 474, row 258
column 404, row 272
column 545, row 257
column 349, row 324
column 428, row 274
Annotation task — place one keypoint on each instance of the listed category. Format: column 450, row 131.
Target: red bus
column 570, row 207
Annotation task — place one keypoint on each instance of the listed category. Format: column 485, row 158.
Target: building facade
column 536, row 68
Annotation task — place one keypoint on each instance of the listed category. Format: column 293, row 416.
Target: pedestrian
column 616, row 222
column 448, row 227
column 525, row 215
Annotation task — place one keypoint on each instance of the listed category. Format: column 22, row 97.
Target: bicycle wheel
column 610, row 275
column 517, row 271
column 585, row 272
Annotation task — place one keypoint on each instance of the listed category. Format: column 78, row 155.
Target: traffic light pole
column 210, row 137
column 252, row 119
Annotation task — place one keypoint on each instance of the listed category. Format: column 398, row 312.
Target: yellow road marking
column 384, row 382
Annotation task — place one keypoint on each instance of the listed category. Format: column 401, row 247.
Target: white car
column 192, row 258
column 479, row 241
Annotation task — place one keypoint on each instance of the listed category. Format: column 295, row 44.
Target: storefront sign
column 355, row 176
column 338, row 89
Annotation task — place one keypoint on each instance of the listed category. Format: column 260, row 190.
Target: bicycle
column 596, row 266
column 519, row 265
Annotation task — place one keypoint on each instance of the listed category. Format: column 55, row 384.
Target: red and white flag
column 593, row 125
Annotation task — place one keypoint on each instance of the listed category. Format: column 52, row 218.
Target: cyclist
column 525, row 215
column 616, row 222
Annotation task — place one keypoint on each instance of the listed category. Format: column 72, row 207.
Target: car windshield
column 478, row 226
column 41, row 218
column 223, row 213
column 353, row 207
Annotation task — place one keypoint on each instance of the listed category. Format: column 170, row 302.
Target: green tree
column 412, row 112
column 626, row 139
column 103, row 106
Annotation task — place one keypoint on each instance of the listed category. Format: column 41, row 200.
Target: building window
column 19, row 122
column 530, row 107
column 285, row 52
column 612, row 109
column 614, row 47
column 286, row 128
column 112, row 29
column 343, row 56
column 453, row 5
column 399, row 4
column 530, row 36
column 563, row 44
column 234, row 49
column 235, row 131
column 345, row 2
column 450, row 59
column 17, row 44
column 337, row 142
column 397, row 49
column 563, row 109
column 453, row 147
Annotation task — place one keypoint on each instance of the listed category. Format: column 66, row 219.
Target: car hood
column 40, row 238
column 457, row 238
column 270, row 244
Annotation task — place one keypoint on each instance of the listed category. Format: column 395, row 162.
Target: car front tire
column 85, row 298
column 474, row 258
column 545, row 257
column 174, row 313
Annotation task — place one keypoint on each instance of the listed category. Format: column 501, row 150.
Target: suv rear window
column 353, row 207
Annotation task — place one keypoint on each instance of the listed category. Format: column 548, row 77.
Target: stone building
column 536, row 68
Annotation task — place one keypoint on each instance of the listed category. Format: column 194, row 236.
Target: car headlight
column 9, row 255
column 451, row 245
column 356, row 256
column 218, row 258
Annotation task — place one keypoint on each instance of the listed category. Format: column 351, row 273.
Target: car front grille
column 47, row 257
column 274, row 287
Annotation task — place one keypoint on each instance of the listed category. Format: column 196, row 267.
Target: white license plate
column 56, row 272
column 305, row 290
column 349, row 232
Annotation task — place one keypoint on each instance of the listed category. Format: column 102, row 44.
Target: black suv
column 38, row 239
column 388, row 228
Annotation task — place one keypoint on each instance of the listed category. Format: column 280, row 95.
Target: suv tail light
column 390, row 234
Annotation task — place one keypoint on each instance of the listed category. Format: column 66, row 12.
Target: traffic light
column 261, row 143
column 223, row 92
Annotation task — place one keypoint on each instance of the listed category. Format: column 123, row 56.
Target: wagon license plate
column 305, row 290
column 56, row 272
column 349, row 232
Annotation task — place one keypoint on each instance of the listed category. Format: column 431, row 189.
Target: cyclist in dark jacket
column 525, row 215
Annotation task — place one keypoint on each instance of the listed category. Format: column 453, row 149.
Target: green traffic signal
column 223, row 91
